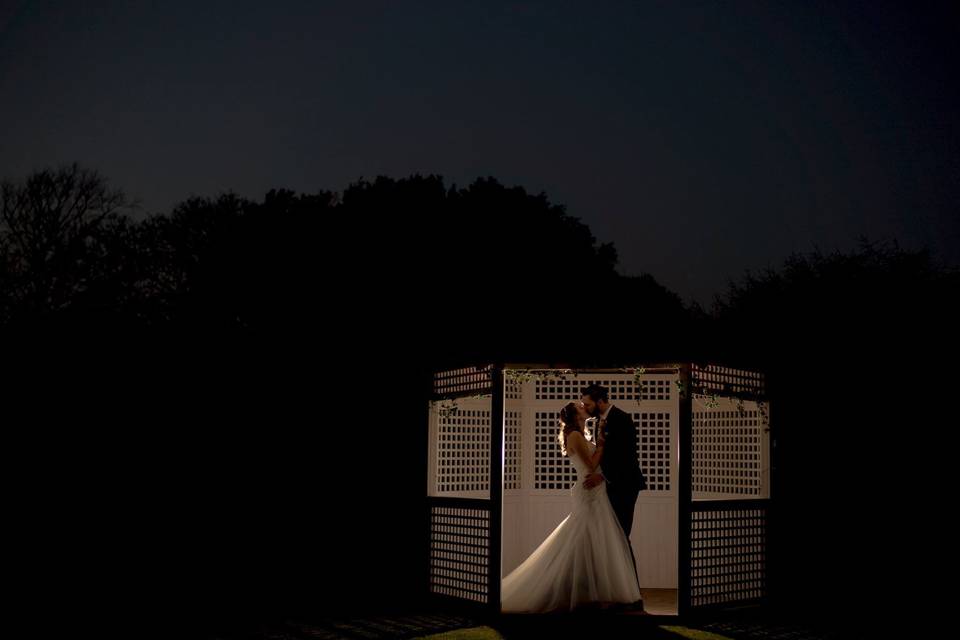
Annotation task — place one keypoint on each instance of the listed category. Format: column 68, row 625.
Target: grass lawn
column 489, row 633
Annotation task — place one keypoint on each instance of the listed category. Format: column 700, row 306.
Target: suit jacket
column 620, row 463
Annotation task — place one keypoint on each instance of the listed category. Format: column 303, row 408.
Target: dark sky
column 703, row 138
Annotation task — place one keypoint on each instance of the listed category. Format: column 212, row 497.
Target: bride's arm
column 579, row 444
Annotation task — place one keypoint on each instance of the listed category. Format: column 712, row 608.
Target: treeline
column 221, row 372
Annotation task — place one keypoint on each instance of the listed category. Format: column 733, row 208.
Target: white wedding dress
column 585, row 559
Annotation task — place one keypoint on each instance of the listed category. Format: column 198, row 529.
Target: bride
column 586, row 559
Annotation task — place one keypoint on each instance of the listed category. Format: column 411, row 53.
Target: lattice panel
column 654, row 449
column 460, row 552
column 552, row 470
column 463, row 452
column 717, row 379
column 465, row 380
column 512, row 450
column 569, row 389
column 728, row 557
column 657, row 387
column 727, row 449
column 513, row 390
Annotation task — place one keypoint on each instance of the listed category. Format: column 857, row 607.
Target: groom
column 621, row 468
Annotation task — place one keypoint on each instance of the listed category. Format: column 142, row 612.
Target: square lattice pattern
column 459, row 552
column 650, row 388
column 569, row 389
column 656, row 389
column 471, row 379
column 463, row 452
column 727, row 452
column 717, row 379
column 654, row 448
column 728, row 561
column 513, row 453
column 552, row 470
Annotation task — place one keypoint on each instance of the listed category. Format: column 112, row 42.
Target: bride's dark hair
column 568, row 422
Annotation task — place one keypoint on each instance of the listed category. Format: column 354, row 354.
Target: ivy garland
column 712, row 400
column 449, row 407
column 520, row 376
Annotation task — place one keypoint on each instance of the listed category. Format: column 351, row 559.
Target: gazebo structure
column 497, row 483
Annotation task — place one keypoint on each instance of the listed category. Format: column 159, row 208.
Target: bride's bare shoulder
column 573, row 437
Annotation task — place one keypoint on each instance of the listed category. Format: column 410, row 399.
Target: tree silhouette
column 836, row 303
column 507, row 268
column 491, row 272
column 51, row 237
column 854, row 346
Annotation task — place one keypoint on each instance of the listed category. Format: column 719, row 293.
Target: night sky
column 702, row 138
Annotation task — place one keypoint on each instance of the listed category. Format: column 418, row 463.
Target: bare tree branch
column 46, row 225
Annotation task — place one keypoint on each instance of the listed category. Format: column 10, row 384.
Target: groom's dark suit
column 621, row 467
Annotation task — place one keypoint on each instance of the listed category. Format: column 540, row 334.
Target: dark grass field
column 454, row 623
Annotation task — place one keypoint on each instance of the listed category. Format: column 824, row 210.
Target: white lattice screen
column 622, row 387
column 459, row 552
column 655, row 448
column 565, row 390
column 470, row 379
column 655, row 392
column 713, row 378
column 513, row 450
column 460, row 448
column 730, row 452
column 729, row 461
column 728, row 555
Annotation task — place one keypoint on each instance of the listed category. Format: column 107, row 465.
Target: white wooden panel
column 459, row 452
column 728, row 561
column 718, row 379
column 730, row 449
column 512, row 546
column 654, row 538
column 462, row 381
column 460, row 552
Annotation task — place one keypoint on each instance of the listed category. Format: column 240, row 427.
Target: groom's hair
column 596, row 393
